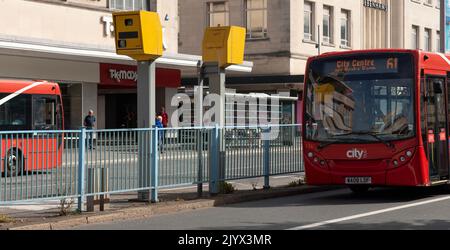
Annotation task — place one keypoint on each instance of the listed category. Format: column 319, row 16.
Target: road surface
column 384, row 208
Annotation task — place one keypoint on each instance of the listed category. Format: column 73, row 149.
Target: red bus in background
column 377, row 118
column 26, row 106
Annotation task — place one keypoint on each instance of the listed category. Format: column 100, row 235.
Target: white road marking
column 357, row 216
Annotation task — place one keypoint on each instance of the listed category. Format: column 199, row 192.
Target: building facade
column 283, row 34
column 72, row 42
column 410, row 24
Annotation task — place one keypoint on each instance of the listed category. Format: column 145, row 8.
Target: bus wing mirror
column 437, row 86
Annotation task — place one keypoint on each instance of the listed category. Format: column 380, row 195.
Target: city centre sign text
column 375, row 5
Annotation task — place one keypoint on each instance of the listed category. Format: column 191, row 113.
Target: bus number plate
column 358, row 180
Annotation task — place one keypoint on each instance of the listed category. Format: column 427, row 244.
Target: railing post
column 103, row 189
column 200, row 144
column 154, row 166
column 81, row 168
column 214, row 162
column 266, row 164
column 90, row 190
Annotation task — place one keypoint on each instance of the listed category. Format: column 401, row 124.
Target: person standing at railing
column 164, row 116
column 159, row 125
column 165, row 120
column 89, row 124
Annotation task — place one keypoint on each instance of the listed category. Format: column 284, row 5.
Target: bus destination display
column 362, row 66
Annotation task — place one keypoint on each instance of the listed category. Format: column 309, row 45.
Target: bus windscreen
column 360, row 98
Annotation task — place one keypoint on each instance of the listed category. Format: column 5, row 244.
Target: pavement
column 337, row 209
column 46, row 215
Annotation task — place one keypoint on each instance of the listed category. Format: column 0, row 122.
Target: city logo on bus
column 357, row 154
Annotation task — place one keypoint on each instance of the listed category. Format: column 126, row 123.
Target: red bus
column 26, row 106
column 377, row 118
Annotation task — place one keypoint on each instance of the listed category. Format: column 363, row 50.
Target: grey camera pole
column 146, row 119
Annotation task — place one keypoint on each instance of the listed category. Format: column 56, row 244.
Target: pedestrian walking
column 89, row 124
column 160, row 126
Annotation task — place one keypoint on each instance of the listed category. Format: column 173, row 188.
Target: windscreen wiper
column 326, row 144
column 329, row 143
column 374, row 135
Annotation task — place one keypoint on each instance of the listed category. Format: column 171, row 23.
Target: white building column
column 89, row 98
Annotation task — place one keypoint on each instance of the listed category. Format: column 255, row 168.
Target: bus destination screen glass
column 360, row 98
column 361, row 66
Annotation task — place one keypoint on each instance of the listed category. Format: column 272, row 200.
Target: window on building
column 438, row 41
column 415, row 37
column 218, row 14
column 345, row 28
column 308, row 21
column 256, row 18
column 327, row 24
column 128, row 4
column 430, row 2
column 427, row 46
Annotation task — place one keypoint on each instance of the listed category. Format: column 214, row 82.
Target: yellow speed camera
column 224, row 45
column 138, row 35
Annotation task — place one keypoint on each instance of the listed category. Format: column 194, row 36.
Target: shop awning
column 102, row 56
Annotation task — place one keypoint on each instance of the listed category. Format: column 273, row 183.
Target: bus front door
column 436, row 129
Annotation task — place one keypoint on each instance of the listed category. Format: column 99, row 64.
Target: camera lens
column 122, row 43
column 128, row 22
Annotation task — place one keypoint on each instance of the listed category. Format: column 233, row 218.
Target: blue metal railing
column 38, row 165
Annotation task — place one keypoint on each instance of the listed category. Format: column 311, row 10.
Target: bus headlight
column 402, row 158
column 316, row 159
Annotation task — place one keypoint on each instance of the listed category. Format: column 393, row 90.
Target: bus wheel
column 359, row 189
column 14, row 165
